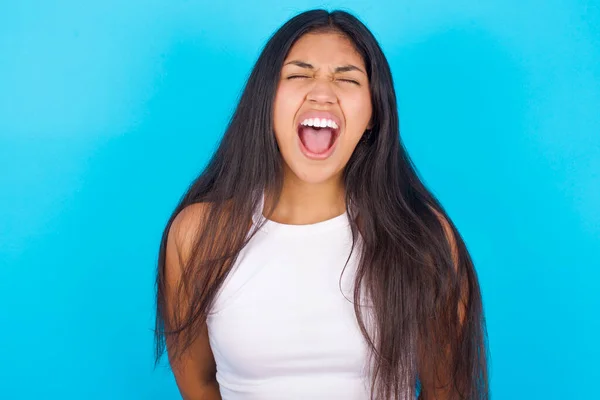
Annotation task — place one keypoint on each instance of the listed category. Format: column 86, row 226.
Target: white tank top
column 283, row 325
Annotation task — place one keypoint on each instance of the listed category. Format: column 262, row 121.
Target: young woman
column 308, row 261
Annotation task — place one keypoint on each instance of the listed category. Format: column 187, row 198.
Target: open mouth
column 317, row 140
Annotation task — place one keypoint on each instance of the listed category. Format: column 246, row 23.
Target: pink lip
column 320, row 114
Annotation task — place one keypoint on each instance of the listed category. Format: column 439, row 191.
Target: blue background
column 109, row 108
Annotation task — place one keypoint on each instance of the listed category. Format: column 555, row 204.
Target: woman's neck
column 305, row 203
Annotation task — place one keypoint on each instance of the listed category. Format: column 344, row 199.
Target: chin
column 315, row 174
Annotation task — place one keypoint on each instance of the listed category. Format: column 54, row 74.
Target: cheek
column 358, row 111
column 361, row 106
column 287, row 104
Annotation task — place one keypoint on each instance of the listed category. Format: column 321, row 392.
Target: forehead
column 325, row 48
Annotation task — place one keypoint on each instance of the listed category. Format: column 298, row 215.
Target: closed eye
column 350, row 81
column 342, row 80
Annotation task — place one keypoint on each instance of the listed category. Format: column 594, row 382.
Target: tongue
column 316, row 140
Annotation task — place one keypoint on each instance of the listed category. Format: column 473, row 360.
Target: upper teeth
column 320, row 123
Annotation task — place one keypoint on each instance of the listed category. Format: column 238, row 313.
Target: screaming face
column 322, row 106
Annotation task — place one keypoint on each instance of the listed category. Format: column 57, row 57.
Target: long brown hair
column 406, row 268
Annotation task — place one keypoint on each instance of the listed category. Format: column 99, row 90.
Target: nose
column 322, row 92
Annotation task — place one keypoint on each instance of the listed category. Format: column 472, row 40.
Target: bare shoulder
column 449, row 234
column 180, row 239
column 185, row 226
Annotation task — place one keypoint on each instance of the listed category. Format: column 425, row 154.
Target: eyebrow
column 343, row 68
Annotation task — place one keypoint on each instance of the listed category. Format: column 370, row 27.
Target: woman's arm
column 195, row 370
column 436, row 376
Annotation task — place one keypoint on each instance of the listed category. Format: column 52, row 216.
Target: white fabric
column 280, row 327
